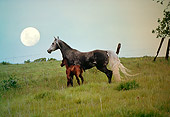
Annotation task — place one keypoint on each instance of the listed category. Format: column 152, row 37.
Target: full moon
column 30, row 36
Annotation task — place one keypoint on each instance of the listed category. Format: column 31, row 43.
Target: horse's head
column 54, row 46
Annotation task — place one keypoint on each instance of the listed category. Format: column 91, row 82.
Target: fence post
column 167, row 51
column 159, row 48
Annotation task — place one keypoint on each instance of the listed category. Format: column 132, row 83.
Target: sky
column 85, row 25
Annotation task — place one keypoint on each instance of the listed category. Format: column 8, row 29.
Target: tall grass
column 43, row 91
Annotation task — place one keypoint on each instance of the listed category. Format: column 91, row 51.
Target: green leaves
column 163, row 29
column 128, row 85
column 12, row 82
column 159, row 1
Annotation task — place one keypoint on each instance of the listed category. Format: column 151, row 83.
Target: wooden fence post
column 118, row 48
column 159, row 48
column 167, row 51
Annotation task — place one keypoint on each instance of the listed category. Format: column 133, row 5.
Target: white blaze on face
column 30, row 36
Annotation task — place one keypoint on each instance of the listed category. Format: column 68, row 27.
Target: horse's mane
column 66, row 44
column 68, row 47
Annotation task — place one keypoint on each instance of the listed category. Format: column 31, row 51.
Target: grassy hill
column 39, row 89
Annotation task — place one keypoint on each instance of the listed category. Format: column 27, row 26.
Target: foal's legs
column 68, row 79
column 77, row 76
column 82, row 79
column 71, row 79
column 78, row 81
column 106, row 71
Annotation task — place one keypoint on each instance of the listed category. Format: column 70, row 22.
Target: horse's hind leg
column 106, row 71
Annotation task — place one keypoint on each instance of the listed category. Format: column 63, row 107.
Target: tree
column 163, row 29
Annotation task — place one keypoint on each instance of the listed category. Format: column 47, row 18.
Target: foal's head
column 64, row 62
column 54, row 46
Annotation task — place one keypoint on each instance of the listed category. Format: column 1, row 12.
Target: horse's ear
column 55, row 38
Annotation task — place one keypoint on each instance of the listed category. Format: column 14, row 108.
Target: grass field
column 39, row 89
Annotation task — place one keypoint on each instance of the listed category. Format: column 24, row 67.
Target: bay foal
column 71, row 71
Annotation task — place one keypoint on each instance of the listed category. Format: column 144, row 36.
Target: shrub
column 40, row 60
column 27, row 61
column 51, row 59
column 128, row 85
column 12, row 82
column 5, row 63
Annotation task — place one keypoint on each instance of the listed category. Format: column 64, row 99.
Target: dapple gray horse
column 87, row 60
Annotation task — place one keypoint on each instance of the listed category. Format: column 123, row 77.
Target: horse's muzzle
column 49, row 51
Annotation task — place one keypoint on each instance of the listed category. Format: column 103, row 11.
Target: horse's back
column 93, row 58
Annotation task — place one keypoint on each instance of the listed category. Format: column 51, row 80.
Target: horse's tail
column 115, row 66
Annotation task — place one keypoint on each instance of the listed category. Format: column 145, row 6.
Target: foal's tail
column 115, row 66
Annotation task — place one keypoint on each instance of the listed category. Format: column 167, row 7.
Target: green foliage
column 162, row 2
column 5, row 63
column 40, row 60
column 51, row 59
column 159, row 1
column 163, row 29
column 27, row 61
column 128, row 85
column 12, row 82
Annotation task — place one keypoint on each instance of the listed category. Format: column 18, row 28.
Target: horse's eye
column 52, row 43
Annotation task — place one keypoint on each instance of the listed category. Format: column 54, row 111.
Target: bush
column 12, row 82
column 128, row 85
column 40, row 60
column 27, row 61
column 51, row 59
column 5, row 63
